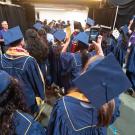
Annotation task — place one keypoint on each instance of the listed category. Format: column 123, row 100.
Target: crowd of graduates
column 83, row 68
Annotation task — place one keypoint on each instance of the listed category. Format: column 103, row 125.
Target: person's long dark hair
column 36, row 47
column 43, row 35
column 84, row 53
column 10, row 101
column 78, row 26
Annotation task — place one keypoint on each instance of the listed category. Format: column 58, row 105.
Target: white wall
column 63, row 13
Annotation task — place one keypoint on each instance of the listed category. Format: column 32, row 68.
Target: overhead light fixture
column 53, row 9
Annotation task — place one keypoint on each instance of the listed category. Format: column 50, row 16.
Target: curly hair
column 10, row 101
column 36, row 47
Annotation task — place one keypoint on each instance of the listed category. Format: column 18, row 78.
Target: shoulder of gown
column 25, row 124
column 70, row 118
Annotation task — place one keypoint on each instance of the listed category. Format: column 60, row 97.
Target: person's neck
column 78, row 95
column 5, row 29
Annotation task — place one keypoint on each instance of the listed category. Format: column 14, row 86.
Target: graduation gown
column 110, row 46
column 45, row 68
column 120, row 51
column 132, row 38
column 2, row 43
column 65, row 67
column 71, row 66
column 55, row 65
column 26, row 125
column 26, row 70
column 70, row 116
column 131, row 66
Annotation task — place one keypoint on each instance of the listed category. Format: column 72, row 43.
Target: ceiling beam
column 80, row 2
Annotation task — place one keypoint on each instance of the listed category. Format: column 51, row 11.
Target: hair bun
column 30, row 33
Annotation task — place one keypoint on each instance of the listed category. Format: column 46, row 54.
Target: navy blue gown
column 45, row 68
column 55, row 65
column 71, row 66
column 65, row 66
column 120, row 51
column 26, row 70
column 131, row 66
column 25, row 124
column 110, row 46
column 70, row 116
column 2, row 43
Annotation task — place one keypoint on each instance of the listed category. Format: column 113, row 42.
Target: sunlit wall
column 62, row 13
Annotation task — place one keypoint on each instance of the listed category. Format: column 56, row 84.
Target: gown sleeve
column 25, row 124
column 36, row 78
column 55, row 124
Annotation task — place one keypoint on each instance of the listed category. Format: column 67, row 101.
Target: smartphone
column 94, row 33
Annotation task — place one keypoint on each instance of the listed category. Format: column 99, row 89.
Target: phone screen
column 93, row 35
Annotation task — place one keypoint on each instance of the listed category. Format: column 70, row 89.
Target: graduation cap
column 103, row 81
column 12, row 35
column 59, row 35
column 90, row 22
column 83, row 38
column 38, row 26
column 124, row 29
column 4, row 81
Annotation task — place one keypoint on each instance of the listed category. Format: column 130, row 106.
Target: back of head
column 77, row 26
column 31, row 33
column 36, row 46
column 11, row 99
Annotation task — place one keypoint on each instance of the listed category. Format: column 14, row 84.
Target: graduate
column 38, row 48
column 77, row 29
column 19, row 64
column 114, row 39
column 4, row 29
column 130, row 65
column 89, row 23
column 93, row 104
column 15, row 116
column 122, row 45
column 67, row 66
column 73, row 63
column 105, row 31
column 59, row 47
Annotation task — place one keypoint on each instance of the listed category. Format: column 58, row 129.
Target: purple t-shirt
column 1, row 33
column 132, row 38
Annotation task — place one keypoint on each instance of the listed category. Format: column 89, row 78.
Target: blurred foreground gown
column 131, row 62
column 120, row 51
column 26, row 125
column 25, row 69
column 70, row 116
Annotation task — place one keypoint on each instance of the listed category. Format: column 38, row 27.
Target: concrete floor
column 125, row 125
